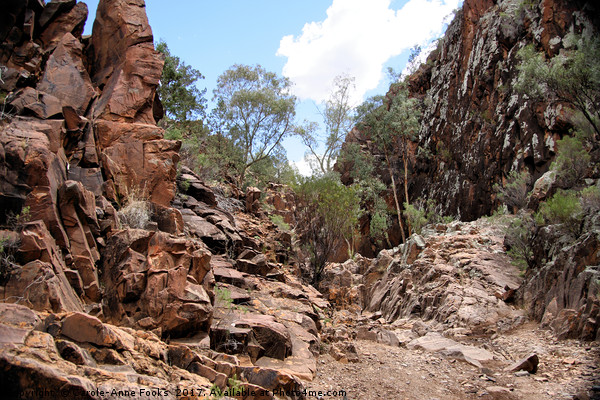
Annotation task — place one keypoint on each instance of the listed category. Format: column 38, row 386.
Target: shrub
column 8, row 246
column 564, row 208
column 279, row 222
column 379, row 226
column 136, row 212
column 519, row 240
column 572, row 161
column 590, row 200
column 17, row 222
column 327, row 213
column 224, row 297
column 415, row 216
column 514, row 193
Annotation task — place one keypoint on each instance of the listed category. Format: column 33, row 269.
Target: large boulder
column 135, row 157
column 124, row 62
column 155, row 281
column 61, row 17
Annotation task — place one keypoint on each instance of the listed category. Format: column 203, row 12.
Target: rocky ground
column 566, row 370
column 437, row 318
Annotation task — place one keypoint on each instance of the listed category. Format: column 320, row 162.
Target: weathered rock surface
column 563, row 293
column 434, row 342
column 451, row 275
column 41, row 283
column 65, row 76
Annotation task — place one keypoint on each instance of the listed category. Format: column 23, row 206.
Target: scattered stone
column 528, row 364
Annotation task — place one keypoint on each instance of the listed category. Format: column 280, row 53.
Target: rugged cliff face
column 100, row 263
column 475, row 127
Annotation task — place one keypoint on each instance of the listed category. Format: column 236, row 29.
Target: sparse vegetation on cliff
column 571, row 77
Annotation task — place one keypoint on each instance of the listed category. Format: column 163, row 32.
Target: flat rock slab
column 436, row 343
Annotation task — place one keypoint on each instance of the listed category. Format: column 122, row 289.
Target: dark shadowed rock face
column 475, row 127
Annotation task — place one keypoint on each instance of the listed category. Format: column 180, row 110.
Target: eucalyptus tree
column 391, row 123
column 338, row 117
column 255, row 110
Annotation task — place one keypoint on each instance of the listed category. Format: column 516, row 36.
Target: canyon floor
column 568, row 369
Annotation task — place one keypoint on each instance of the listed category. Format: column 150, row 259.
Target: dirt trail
column 567, row 370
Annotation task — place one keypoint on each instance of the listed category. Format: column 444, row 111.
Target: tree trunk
column 404, row 160
column 398, row 210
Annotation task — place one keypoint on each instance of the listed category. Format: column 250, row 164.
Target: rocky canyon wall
column 476, row 128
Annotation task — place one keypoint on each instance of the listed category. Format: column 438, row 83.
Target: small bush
column 136, row 213
column 279, row 222
column 379, row 226
column 572, row 161
column 8, row 247
column 514, row 193
column 590, row 200
column 415, row 216
column 564, row 208
column 422, row 212
column 224, row 297
column 519, row 239
column 17, row 222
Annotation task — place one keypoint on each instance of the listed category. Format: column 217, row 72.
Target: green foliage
column 185, row 185
column 380, row 222
column 514, row 192
column 255, row 111
column 327, row 213
column 390, row 123
column 181, row 98
column 572, row 161
column 415, row 216
column 279, row 222
column 590, row 200
column 563, row 208
column 17, row 222
column 571, row 77
column 520, row 235
column 359, row 163
column 224, row 296
column 422, row 213
column 386, row 120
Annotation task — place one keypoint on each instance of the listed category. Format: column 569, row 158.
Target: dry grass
column 136, row 212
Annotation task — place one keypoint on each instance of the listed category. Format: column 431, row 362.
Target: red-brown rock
column 65, row 76
column 119, row 25
column 135, row 157
column 42, row 105
column 78, row 212
column 63, row 21
column 159, row 281
column 41, row 282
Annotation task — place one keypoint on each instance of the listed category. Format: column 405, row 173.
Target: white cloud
column 303, row 167
column 357, row 38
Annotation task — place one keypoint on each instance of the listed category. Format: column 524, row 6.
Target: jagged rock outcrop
column 157, row 282
column 476, row 129
column 97, row 300
column 455, row 275
column 563, row 293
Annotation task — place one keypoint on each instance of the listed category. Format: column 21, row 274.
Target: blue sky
column 309, row 41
